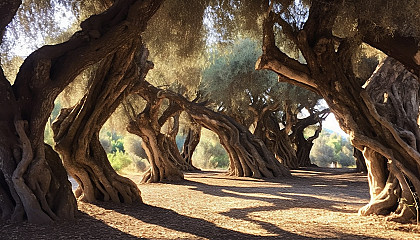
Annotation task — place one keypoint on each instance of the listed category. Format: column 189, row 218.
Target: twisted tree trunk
column 389, row 144
column 394, row 182
column 248, row 155
column 191, row 142
column 163, row 155
column 276, row 139
column 303, row 144
column 33, row 184
column 76, row 130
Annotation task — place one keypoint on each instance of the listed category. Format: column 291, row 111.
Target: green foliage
column 113, row 142
column 133, row 148
column 331, row 147
column 221, row 161
column 119, row 160
column 209, row 153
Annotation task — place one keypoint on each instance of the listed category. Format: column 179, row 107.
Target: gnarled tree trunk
column 76, row 130
column 248, row 155
column 33, row 184
column 394, row 182
column 191, row 142
column 389, row 144
column 276, row 139
column 165, row 160
column 303, row 144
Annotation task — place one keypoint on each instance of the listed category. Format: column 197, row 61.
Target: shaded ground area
column 314, row 204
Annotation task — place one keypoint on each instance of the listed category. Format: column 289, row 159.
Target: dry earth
column 315, row 204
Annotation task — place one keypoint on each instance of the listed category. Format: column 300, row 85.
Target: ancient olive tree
column 259, row 102
column 166, row 162
column 388, row 144
column 248, row 155
column 33, row 182
column 76, row 129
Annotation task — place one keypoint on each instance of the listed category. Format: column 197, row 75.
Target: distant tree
column 332, row 148
column 257, row 99
column 248, row 156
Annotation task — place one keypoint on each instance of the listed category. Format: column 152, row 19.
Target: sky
column 332, row 124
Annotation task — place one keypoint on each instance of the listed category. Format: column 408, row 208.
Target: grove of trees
column 208, row 71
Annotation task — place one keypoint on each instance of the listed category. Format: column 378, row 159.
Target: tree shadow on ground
column 286, row 196
column 288, row 192
column 283, row 194
column 83, row 227
column 196, row 226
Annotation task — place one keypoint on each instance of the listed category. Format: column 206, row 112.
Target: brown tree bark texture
column 33, row 185
column 191, row 142
column 391, row 156
column 76, row 130
column 249, row 157
column 276, row 139
column 165, row 160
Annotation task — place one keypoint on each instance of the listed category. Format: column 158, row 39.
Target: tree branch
column 8, row 9
column 56, row 66
column 403, row 48
column 412, row 152
column 276, row 60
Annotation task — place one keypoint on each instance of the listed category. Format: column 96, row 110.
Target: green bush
column 210, row 153
column 221, row 161
column 331, row 147
column 119, row 160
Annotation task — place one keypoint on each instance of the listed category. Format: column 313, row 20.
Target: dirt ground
column 314, row 204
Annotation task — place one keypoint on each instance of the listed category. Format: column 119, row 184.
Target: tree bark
column 360, row 161
column 76, row 130
column 165, row 161
column 249, row 157
column 33, row 184
column 303, row 144
column 191, row 142
column 394, row 94
column 383, row 139
column 276, row 139
column 182, row 163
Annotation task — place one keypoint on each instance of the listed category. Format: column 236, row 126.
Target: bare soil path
column 316, row 203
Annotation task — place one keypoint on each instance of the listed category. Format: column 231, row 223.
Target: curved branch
column 403, row 48
column 277, row 61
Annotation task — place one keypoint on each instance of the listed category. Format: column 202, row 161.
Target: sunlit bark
column 385, row 140
column 33, row 183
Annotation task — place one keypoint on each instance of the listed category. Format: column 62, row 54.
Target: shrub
column 332, row 147
column 119, row 160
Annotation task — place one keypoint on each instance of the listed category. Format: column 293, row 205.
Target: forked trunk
column 276, row 140
column 394, row 180
column 163, row 167
column 166, row 163
column 304, row 145
column 33, row 183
